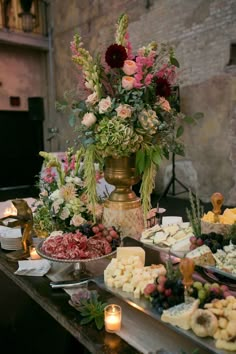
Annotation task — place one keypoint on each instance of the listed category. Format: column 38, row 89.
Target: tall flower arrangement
column 129, row 107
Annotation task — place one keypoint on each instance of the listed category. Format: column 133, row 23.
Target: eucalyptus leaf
column 72, row 120
column 189, row 120
column 180, row 131
column 174, row 61
column 157, row 157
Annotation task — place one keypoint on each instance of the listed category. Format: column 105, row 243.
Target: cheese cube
column 126, row 252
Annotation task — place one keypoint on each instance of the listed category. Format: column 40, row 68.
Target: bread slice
column 202, row 256
column 180, row 315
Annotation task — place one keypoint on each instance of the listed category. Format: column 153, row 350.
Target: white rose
column 104, row 104
column 88, row 119
column 65, row 213
column 56, row 205
column 55, row 195
column 92, row 99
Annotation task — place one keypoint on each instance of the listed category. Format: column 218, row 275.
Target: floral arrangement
column 129, row 108
column 63, row 203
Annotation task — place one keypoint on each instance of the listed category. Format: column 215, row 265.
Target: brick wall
column 201, row 32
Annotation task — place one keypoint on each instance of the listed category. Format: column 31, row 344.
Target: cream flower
column 92, row 99
column 128, row 82
column 55, row 195
column 130, row 67
column 124, row 111
column 164, row 104
column 88, row 119
column 104, row 104
column 65, row 213
column 77, row 220
column 56, row 205
column 68, row 192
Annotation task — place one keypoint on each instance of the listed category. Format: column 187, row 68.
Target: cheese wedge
column 126, row 252
column 180, row 315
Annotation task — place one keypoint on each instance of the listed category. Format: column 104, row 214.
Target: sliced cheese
column 127, row 252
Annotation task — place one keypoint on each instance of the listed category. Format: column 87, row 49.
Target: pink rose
column 128, row 82
column 88, row 119
column 104, row 104
column 92, row 99
column 124, row 111
column 129, row 67
column 164, row 104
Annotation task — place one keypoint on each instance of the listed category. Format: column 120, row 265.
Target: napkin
column 170, row 220
column 36, row 268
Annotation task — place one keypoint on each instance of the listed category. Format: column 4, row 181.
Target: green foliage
column 92, row 310
column 195, row 214
column 172, row 273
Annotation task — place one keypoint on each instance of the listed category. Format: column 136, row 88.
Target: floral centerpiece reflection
column 63, row 203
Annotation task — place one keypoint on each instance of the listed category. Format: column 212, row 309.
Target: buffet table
column 140, row 333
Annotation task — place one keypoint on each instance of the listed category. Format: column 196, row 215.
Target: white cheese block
column 126, row 252
column 180, row 315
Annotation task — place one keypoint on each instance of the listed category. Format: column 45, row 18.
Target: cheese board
column 142, row 304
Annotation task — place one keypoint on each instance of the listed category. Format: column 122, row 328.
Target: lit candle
column 33, row 253
column 112, row 318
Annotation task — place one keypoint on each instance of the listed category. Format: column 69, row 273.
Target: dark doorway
column 21, row 139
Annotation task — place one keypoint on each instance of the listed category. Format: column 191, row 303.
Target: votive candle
column 112, row 318
column 33, row 253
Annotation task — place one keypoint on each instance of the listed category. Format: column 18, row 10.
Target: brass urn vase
column 121, row 173
column 122, row 208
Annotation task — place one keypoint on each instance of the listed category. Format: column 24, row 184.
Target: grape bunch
column 208, row 292
column 213, row 240
column 99, row 230
column 165, row 293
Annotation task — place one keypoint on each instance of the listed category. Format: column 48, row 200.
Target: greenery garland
column 89, row 177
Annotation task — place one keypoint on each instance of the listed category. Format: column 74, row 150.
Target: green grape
column 197, row 285
column 207, row 286
column 201, row 294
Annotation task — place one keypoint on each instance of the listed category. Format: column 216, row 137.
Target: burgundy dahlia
column 116, row 55
column 163, row 87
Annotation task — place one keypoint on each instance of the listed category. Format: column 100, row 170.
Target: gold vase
column 121, row 173
column 123, row 209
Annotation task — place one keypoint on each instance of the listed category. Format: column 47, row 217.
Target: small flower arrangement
column 129, row 108
column 63, row 202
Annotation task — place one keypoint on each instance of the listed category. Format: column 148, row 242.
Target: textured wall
column 201, row 32
column 22, row 73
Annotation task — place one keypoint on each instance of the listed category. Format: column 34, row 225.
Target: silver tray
column 145, row 306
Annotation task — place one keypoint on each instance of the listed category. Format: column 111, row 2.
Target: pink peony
column 128, row 82
column 129, row 67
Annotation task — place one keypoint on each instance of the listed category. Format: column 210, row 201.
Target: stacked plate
column 10, row 239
